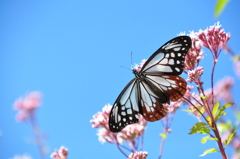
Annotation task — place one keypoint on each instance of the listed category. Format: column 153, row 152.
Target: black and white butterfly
column 155, row 84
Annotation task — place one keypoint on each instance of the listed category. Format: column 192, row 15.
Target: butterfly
column 155, row 84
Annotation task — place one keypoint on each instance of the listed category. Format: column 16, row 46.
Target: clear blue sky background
column 72, row 50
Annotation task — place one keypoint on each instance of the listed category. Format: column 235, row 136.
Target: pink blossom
column 188, row 93
column 26, row 106
column 100, row 120
column 105, row 135
column 133, row 130
column 138, row 67
column 195, row 53
column 62, row 153
column 138, row 155
column 31, row 101
column 222, row 91
column 173, row 106
column 214, row 38
column 194, row 75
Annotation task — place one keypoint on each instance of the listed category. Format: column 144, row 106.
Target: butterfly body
column 155, row 84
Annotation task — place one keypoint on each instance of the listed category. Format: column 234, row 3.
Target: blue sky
column 72, row 51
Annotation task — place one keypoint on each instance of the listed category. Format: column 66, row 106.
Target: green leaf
column 230, row 137
column 221, row 4
column 209, row 120
column 200, row 128
column 163, row 135
column 202, row 96
column 215, row 108
column 211, row 150
column 201, row 110
column 221, row 111
column 187, row 110
column 224, row 126
column 204, row 139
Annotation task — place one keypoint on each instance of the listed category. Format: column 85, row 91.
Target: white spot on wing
column 171, row 61
column 177, row 69
column 160, row 68
column 177, row 48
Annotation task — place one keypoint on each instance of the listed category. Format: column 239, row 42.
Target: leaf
column 215, row 108
column 200, row 128
column 230, row 137
column 187, row 110
column 221, row 111
column 209, row 120
column 211, row 150
column 221, row 4
column 204, row 139
column 163, row 135
column 201, row 110
column 202, row 96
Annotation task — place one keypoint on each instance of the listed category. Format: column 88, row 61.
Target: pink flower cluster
column 138, row 155
column 62, row 153
column 214, row 38
column 100, row 120
column 138, row 67
column 195, row 53
column 26, row 106
column 222, row 90
column 193, row 75
column 130, row 132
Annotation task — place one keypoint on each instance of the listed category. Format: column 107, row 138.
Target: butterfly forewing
column 168, row 59
column 156, row 83
column 125, row 108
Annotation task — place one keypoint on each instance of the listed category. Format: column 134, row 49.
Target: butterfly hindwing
column 174, row 86
column 168, row 59
column 152, row 108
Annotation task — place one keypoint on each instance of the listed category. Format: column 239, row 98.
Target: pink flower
column 139, row 67
column 223, row 89
column 26, row 106
column 101, row 118
column 132, row 131
column 138, row 155
column 195, row 53
column 188, row 93
column 214, row 38
column 62, row 153
column 194, row 75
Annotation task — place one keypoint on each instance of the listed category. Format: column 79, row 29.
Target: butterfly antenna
column 125, row 68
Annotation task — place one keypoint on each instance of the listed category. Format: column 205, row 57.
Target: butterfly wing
column 161, row 72
column 150, row 102
column 168, row 59
column 126, row 108
column 160, row 85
